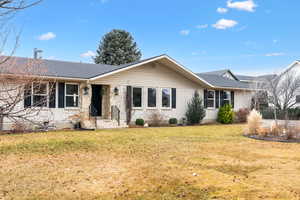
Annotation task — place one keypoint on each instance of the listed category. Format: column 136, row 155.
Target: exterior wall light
column 86, row 90
column 116, row 91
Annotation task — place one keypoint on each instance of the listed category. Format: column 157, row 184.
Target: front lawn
column 205, row 162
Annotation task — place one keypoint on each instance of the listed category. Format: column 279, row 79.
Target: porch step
column 109, row 124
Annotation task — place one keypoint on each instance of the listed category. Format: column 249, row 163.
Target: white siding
column 60, row 117
column 161, row 76
column 157, row 76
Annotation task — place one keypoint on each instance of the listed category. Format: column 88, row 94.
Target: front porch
column 99, row 109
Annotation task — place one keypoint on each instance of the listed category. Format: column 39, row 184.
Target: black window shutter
column 205, row 98
column 52, row 95
column 232, row 98
column 61, row 95
column 221, row 98
column 217, row 98
column 128, row 104
column 174, row 97
column 27, row 96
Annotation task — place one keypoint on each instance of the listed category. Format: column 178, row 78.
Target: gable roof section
column 176, row 65
column 222, row 82
column 221, row 73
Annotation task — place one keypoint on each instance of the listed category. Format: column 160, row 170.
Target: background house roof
column 222, row 72
column 222, row 82
column 245, row 78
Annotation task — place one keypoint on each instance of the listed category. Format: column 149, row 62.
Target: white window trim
column 161, row 92
column 71, row 96
column 229, row 96
column 156, row 95
column 214, row 99
column 142, row 96
column 47, row 94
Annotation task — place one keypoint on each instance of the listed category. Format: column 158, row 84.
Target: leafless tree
column 282, row 91
column 259, row 97
column 16, row 78
column 24, row 91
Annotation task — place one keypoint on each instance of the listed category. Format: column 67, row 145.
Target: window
column 72, row 95
column 166, row 98
column 210, row 99
column 151, row 97
column 39, row 97
column 298, row 99
column 137, row 97
column 226, row 97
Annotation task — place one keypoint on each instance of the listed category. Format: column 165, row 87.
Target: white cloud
column 224, row 24
column 222, row 10
column 88, row 54
column 247, row 5
column 184, row 32
column 47, row 36
column 274, row 54
column 202, row 26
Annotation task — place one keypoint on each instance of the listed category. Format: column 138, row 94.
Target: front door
column 96, row 104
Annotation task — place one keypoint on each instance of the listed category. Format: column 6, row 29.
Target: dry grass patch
column 205, row 162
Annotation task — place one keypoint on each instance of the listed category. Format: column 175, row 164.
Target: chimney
column 37, row 53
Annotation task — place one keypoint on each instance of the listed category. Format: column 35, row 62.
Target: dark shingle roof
column 222, row 82
column 63, row 69
column 245, row 78
column 221, row 73
column 55, row 68
column 218, row 72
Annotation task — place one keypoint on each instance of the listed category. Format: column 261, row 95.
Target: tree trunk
column 1, row 122
column 286, row 118
column 275, row 117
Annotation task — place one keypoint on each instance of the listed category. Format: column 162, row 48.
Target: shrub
column 242, row 114
column 139, row 122
column 156, row 119
column 226, row 114
column 195, row 111
column 173, row 121
column 254, row 121
column 18, row 127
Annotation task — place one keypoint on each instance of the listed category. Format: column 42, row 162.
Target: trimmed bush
column 242, row 114
column 226, row 114
column 173, row 121
column 139, row 122
column 195, row 112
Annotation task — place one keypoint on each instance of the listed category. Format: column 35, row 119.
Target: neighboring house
column 104, row 94
column 294, row 68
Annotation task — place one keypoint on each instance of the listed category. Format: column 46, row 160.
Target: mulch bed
column 273, row 139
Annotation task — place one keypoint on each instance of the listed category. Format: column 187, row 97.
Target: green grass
column 201, row 162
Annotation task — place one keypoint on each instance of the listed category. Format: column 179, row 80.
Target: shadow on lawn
column 49, row 147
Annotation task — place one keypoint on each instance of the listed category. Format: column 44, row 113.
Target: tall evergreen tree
column 116, row 48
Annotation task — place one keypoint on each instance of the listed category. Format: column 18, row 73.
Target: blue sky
column 247, row 36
